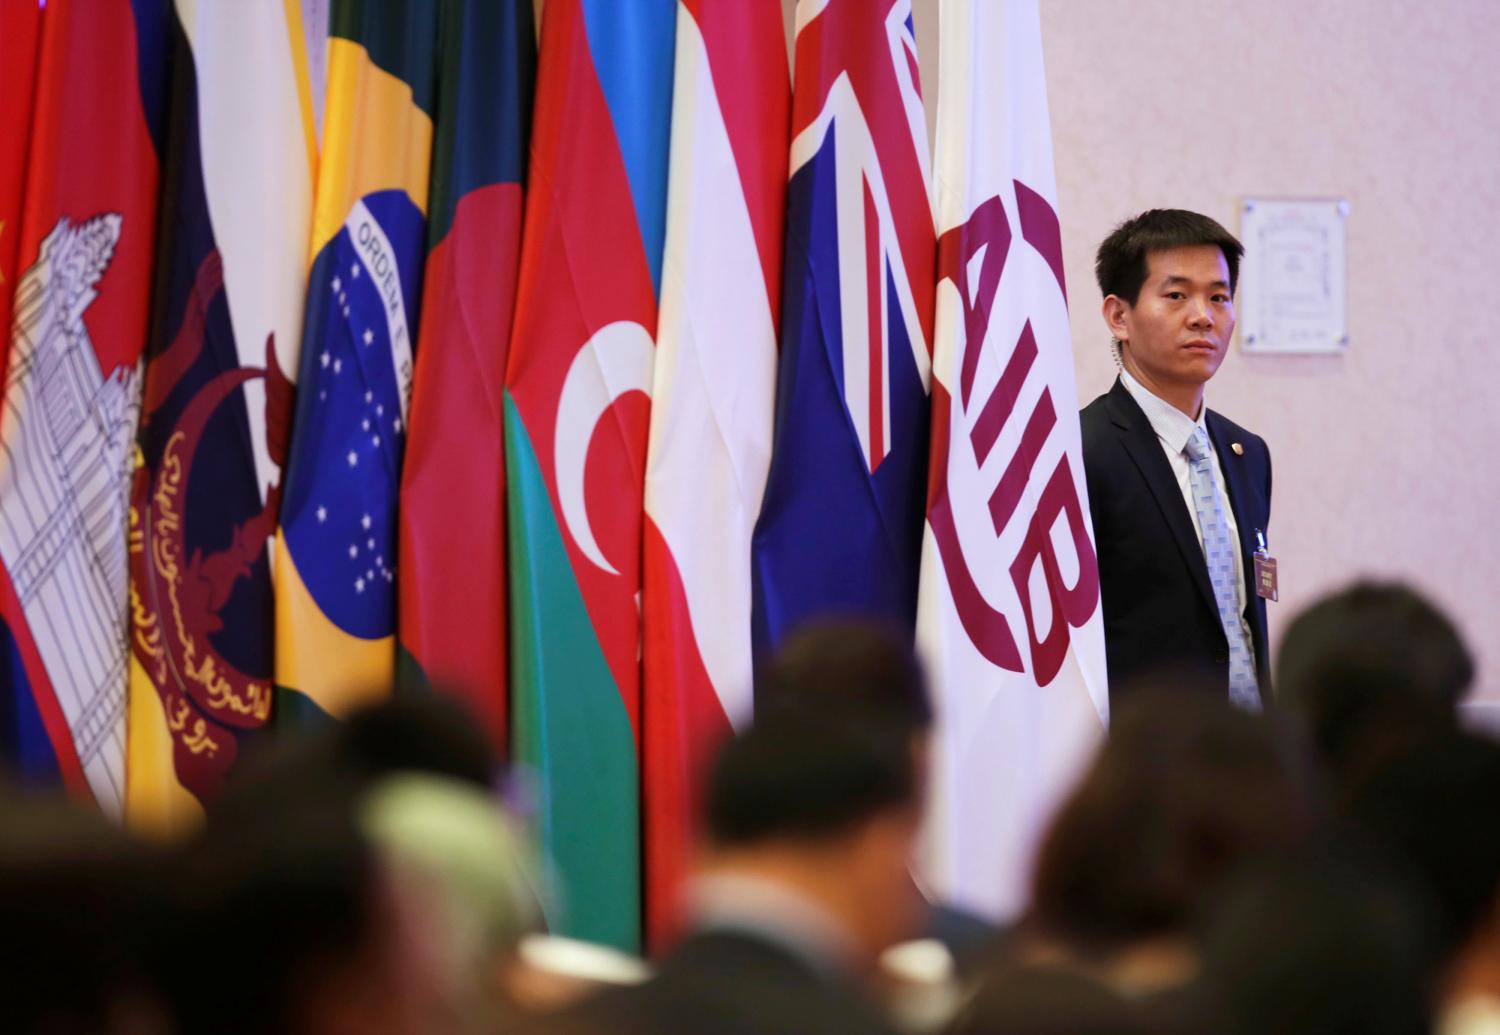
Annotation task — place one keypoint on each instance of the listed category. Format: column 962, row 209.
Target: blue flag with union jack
column 841, row 524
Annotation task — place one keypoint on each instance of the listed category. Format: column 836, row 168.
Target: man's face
column 1177, row 332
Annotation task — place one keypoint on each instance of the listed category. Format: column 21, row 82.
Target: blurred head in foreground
column 1315, row 942
column 1436, row 810
column 824, row 805
column 360, row 878
column 848, row 663
column 1368, row 670
column 1185, row 789
column 80, row 908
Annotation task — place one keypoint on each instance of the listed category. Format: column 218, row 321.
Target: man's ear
column 1115, row 310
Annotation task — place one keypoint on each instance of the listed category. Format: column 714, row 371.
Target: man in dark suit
column 1180, row 495
column 811, row 819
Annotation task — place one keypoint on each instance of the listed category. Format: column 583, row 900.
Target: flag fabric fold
column 577, row 404
column 712, row 407
column 840, row 526
column 335, row 551
column 19, row 46
column 452, row 613
column 227, row 321
column 72, row 386
column 1009, row 621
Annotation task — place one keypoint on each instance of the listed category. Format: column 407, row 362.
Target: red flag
column 712, row 410
column 452, row 547
column 18, row 53
column 72, row 384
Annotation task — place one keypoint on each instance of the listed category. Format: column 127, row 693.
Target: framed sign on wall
column 1292, row 296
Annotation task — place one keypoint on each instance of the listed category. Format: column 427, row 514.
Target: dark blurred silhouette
column 1369, row 670
column 362, row 877
column 810, row 823
column 869, row 667
column 1436, row 809
column 1185, row 791
column 1316, row 942
column 80, row 906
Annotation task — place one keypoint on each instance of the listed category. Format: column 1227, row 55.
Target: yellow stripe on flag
column 374, row 138
column 335, row 670
column 156, row 804
column 297, row 39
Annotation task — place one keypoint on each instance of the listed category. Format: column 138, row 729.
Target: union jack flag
column 840, row 529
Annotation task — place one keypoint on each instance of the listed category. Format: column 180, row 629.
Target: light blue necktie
column 1218, row 551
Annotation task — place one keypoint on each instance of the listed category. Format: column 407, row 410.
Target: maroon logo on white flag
column 989, row 229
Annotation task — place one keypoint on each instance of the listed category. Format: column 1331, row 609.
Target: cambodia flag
column 577, row 403
column 1009, row 624
column 711, row 411
column 452, row 518
column 841, row 526
column 227, row 321
column 335, row 558
column 72, row 387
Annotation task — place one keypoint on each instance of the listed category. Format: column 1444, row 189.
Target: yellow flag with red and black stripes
column 335, row 566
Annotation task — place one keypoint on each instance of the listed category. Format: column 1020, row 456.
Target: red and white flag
column 1009, row 620
column 712, row 411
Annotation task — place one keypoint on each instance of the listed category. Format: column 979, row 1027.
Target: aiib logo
column 982, row 419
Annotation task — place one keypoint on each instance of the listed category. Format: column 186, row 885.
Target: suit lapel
column 1140, row 441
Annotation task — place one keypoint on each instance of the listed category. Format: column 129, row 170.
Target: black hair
column 1369, row 668
column 1435, row 809
column 855, row 663
column 1122, row 263
column 807, row 776
column 1186, row 788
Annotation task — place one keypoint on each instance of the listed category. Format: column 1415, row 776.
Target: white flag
column 1009, row 620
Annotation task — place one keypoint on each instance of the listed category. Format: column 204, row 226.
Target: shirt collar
column 1171, row 425
column 774, row 911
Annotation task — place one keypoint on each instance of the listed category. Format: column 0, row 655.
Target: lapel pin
column 1239, row 450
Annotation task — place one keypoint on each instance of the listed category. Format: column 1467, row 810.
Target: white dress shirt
column 1173, row 429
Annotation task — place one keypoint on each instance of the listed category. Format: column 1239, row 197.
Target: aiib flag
column 1009, row 621
column 72, row 388
column 452, row 515
column 335, row 552
column 841, row 525
column 711, row 410
column 231, row 281
column 576, row 411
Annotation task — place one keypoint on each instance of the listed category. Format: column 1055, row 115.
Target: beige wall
column 1387, row 459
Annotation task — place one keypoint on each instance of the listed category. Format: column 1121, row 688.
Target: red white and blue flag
column 1009, row 620
column 840, row 528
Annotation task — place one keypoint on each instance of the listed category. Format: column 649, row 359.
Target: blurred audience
column 802, row 883
column 1186, row 790
column 1436, row 809
column 1319, row 942
column 369, row 876
column 869, row 667
column 1370, row 670
column 363, row 877
column 80, row 907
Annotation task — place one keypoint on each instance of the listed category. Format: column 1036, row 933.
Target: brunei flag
column 227, row 320
column 576, row 411
column 452, row 519
column 335, row 558
column 72, row 387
